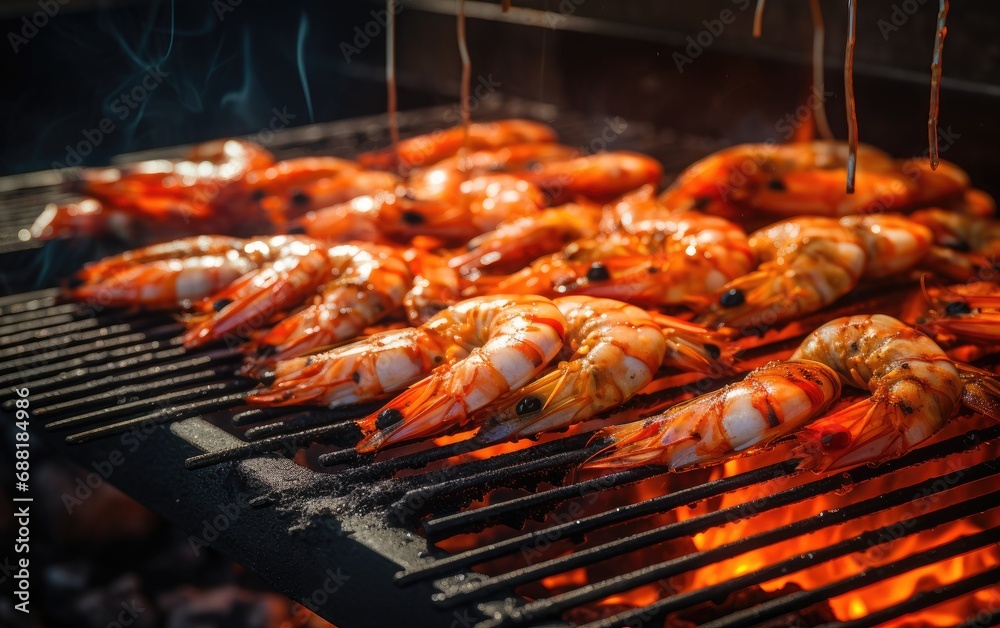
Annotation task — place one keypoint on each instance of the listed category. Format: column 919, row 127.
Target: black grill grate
column 95, row 375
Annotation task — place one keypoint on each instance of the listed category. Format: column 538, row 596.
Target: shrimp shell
column 768, row 403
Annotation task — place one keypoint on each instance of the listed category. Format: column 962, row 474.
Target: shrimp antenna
column 932, row 118
column 819, row 82
column 758, row 18
column 852, row 113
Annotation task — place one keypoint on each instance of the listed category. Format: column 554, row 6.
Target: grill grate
column 100, row 374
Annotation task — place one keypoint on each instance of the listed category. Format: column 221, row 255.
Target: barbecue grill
column 459, row 534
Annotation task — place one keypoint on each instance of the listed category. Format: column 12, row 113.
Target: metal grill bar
column 161, row 401
column 926, row 599
column 862, row 542
column 341, row 432
column 473, row 520
column 804, row 599
column 28, row 301
column 165, row 369
column 596, row 591
column 169, row 412
column 27, row 353
column 983, row 619
column 582, row 525
column 453, row 594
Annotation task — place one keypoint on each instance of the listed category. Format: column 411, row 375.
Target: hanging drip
column 819, row 82
column 390, row 80
column 758, row 18
column 463, row 50
column 852, row 114
column 932, row 119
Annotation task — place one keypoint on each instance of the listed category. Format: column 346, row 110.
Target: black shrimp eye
column 220, row 304
column 413, row 218
column 300, row 198
column 296, row 230
column 258, row 195
column 955, row 308
column 713, row 351
column 388, row 417
column 777, row 185
column 597, row 272
column 528, row 405
column 732, row 298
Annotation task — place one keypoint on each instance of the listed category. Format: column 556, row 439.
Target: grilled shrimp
column 808, row 179
column 518, row 241
column 969, row 312
column 601, row 177
column 611, row 351
column 454, row 213
column 369, row 282
column 509, row 339
column 294, row 201
column 425, row 150
column 388, row 361
column 915, row 390
column 514, row 159
column 687, row 260
column 297, row 267
column 965, row 247
column 435, row 286
column 808, row 263
column 173, row 273
column 768, row 403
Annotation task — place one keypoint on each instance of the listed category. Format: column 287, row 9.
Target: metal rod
column 467, row 590
column 662, row 571
column 290, row 442
column 860, row 543
column 581, row 525
column 803, row 599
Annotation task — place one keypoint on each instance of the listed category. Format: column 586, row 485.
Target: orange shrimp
column 915, row 390
column 808, row 263
column 473, row 207
column 686, row 261
column 969, row 312
column 296, row 269
column 768, row 403
column 509, row 339
column 600, row 177
column 514, row 159
column 611, row 351
column 369, row 283
column 425, row 150
column 520, row 240
column 175, row 273
column 966, row 247
column 808, row 179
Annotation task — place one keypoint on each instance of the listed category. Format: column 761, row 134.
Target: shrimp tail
column 292, row 390
column 422, row 411
column 694, row 348
column 640, row 443
column 848, row 437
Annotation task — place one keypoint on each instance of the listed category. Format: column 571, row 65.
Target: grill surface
column 110, row 379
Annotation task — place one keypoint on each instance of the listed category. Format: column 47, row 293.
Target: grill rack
column 104, row 374
column 181, row 387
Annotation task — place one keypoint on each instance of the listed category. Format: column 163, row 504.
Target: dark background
column 231, row 62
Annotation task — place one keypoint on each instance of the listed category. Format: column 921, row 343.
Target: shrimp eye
column 777, row 185
column 300, row 198
column 701, row 202
column 258, row 195
column 713, row 351
column 732, row 298
column 413, row 218
column 955, row 308
column 597, row 272
column 219, row 305
column 296, row 230
column 387, row 418
column 528, row 405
